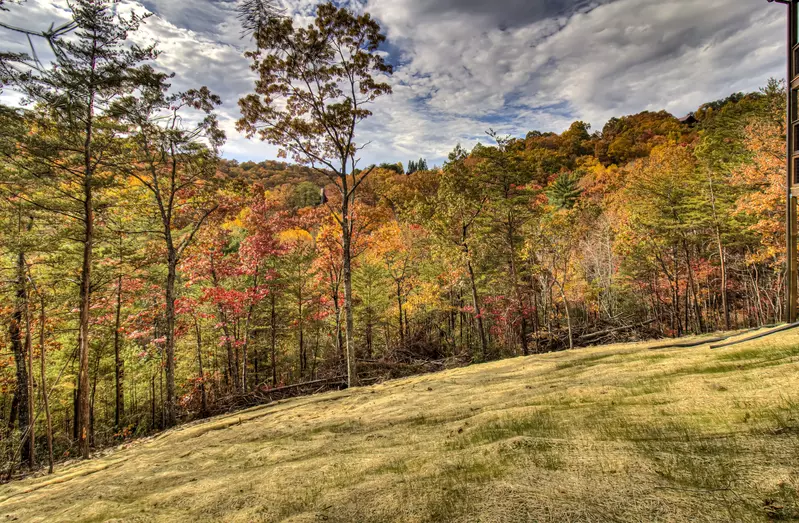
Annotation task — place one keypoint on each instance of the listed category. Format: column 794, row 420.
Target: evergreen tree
column 77, row 149
column 564, row 191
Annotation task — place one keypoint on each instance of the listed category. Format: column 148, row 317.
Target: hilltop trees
column 416, row 165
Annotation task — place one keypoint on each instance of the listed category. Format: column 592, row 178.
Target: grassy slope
column 616, row 433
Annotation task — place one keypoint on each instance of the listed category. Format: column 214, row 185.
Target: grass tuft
column 538, row 424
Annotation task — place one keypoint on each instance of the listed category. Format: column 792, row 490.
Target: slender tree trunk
column 170, row 402
column 476, row 304
column 273, row 335
column 203, row 394
column 161, row 394
column 31, row 397
column 75, row 412
column 460, row 319
column 339, row 339
column 119, row 364
column 92, row 399
column 724, row 290
column 568, row 314
column 676, row 304
column 369, row 328
column 536, row 325
column 82, row 420
column 152, row 402
column 301, row 340
column 399, row 308
column 18, row 348
column 45, row 393
column 346, row 233
column 516, row 290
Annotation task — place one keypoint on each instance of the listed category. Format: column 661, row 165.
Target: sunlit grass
column 617, row 433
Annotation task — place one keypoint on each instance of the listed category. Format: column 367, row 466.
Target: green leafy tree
column 395, row 167
column 455, row 214
column 306, row 194
column 720, row 151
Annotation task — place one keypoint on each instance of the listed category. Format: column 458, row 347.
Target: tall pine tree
column 75, row 153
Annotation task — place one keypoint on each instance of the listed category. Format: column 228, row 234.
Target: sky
column 463, row 67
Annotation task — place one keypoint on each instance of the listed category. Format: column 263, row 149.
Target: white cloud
column 463, row 66
column 617, row 58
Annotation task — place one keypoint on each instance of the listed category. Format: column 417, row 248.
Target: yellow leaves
column 295, row 236
column 238, row 223
column 425, row 295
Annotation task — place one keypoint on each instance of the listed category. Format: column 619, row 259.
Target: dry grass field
column 613, row 433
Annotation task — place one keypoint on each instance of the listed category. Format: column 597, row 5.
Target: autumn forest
column 146, row 281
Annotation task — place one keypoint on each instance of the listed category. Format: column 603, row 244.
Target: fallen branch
column 691, row 343
column 614, row 330
column 758, row 336
column 326, row 381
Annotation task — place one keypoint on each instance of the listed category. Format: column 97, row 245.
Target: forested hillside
column 146, row 281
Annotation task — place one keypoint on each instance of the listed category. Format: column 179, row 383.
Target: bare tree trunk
column 568, row 314
column 93, row 397
column 724, row 291
column 273, row 336
column 45, row 394
column 119, row 364
column 161, row 393
column 170, row 402
column 399, row 307
column 301, row 333
column 31, row 397
column 346, row 233
column 476, row 303
column 18, row 348
column 82, row 421
column 153, row 424
column 204, row 396
column 339, row 333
